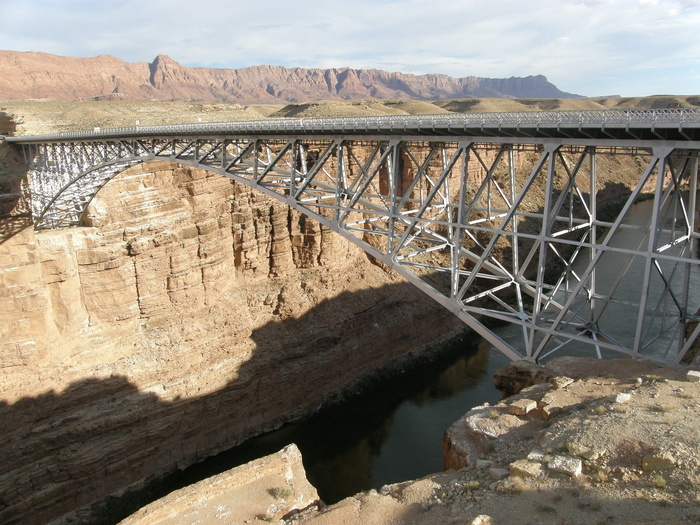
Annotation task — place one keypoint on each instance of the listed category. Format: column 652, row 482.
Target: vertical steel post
column 545, row 230
column 594, row 227
column 342, row 190
column 457, row 239
column 662, row 156
column 394, row 174
column 691, row 246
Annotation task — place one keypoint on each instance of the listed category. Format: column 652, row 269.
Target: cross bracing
column 499, row 229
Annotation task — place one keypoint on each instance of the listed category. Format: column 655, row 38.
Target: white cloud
column 585, row 46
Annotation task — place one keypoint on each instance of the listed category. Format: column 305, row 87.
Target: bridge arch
column 477, row 223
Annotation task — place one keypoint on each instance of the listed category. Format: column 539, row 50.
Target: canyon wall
column 188, row 314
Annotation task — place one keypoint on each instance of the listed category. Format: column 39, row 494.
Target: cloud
column 585, row 46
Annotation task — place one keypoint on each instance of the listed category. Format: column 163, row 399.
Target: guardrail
column 680, row 118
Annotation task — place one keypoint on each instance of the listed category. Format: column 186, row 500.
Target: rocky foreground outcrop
column 266, row 489
column 43, row 76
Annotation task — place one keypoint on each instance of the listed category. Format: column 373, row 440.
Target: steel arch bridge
column 495, row 216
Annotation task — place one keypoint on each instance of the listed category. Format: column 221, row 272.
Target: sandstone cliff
column 188, row 314
column 43, row 76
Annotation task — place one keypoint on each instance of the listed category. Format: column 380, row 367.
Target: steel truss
column 497, row 230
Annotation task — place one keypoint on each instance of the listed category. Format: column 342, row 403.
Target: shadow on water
column 390, row 432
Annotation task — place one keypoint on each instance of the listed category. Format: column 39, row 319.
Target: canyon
column 187, row 314
column 30, row 75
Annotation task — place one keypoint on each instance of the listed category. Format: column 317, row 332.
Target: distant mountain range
column 30, row 75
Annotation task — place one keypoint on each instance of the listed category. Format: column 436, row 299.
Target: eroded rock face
column 617, row 432
column 44, row 76
column 190, row 314
column 265, row 489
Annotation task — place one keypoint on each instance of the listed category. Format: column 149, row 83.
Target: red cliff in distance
column 30, row 75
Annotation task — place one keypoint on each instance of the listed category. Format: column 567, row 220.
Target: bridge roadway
column 606, row 126
column 495, row 216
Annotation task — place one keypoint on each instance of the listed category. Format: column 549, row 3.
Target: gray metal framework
column 495, row 216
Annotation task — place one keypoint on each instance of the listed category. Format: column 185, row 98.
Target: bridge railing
column 676, row 117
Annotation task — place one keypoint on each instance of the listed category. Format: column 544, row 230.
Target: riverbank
column 611, row 441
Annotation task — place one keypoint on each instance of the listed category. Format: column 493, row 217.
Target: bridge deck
column 612, row 125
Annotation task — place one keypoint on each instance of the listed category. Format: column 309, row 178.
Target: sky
column 586, row 47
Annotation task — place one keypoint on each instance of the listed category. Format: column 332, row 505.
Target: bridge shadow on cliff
column 13, row 225
column 89, row 443
column 15, row 211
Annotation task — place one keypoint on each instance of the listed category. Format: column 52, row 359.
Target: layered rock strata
column 266, row 489
column 189, row 314
column 43, row 76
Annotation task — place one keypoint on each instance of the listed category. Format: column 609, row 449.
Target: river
column 389, row 433
column 393, row 431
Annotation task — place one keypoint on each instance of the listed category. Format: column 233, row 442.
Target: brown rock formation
column 189, row 314
column 613, row 438
column 265, row 489
column 43, row 76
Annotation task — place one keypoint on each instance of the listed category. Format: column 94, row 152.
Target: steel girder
column 497, row 231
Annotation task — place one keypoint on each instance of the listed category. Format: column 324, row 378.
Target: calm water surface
column 388, row 434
